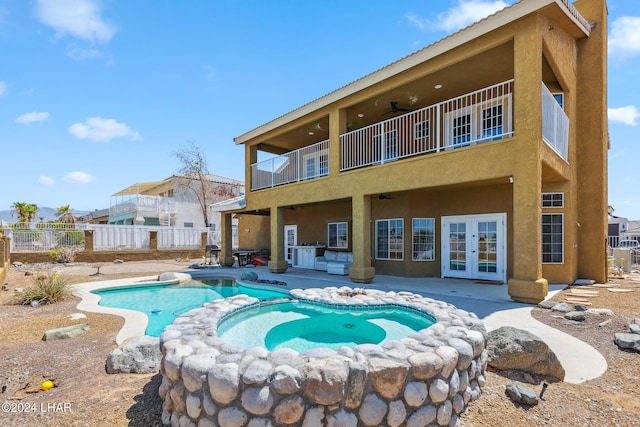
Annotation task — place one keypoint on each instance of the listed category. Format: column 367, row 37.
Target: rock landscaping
column 428, row 378
column 512, row 349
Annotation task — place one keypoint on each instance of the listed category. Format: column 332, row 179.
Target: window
column 492, row 122
column 553, row 200
column 188, row 225
column 423, row 239
column 390, row 147
column 552, row 238
column 462, row 129
column 390, row 239
column 338, row 235
column 422, row 130
column 316, row 164
column 478, row 118
column 559, row 97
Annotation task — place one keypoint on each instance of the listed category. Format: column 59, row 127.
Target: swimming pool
column 302, row 326
column 163, row 303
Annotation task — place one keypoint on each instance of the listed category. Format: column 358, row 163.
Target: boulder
column 249, row 275
column 165, row 277
column 510, row 348
column 139, row 355
column 522, row 395
column 628, row 341
column 576, row 316
column 66, row 332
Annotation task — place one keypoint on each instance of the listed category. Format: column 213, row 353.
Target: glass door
column 290, row 240
column 474, row 247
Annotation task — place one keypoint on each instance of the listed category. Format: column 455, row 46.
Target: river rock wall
column 428, row 378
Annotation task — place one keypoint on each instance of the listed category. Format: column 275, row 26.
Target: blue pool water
column 163, row 303
column 303, row 326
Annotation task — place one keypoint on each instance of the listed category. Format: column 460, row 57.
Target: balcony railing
column 474, row 118
column 142, row 204
column 481, row 116
column 555, row 123
column 305, row 163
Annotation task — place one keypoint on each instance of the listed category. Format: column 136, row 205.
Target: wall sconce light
column 510, row 180
column 360, row 115
column 246, row 230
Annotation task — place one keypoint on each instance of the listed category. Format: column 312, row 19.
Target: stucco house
column 171, row 202
column 482, row 156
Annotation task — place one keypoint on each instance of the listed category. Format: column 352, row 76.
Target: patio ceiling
column 491, row 66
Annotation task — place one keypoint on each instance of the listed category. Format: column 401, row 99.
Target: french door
column 290, row 240
column 474, row 247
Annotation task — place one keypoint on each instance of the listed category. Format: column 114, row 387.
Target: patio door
column 474, row 247
column 290, row 240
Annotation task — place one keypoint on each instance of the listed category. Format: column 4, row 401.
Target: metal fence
column 45, row 237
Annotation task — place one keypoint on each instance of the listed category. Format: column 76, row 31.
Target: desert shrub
column 63, row 254
column 46, row 289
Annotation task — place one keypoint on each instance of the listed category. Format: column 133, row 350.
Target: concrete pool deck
column 489, row 302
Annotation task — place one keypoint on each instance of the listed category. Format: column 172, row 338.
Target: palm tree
column 31, row 211
column 19, row 209
column 65, row 215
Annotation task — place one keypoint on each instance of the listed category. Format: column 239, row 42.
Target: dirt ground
column 85, row 395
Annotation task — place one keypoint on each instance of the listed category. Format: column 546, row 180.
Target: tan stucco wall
column 541, row 47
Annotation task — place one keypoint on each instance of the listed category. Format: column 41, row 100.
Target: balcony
column 303, row 164
column 141, row 205
column 474, row 118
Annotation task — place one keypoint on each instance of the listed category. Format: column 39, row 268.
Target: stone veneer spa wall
column 427, row 378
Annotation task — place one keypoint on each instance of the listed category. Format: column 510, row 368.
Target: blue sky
column 97, row 95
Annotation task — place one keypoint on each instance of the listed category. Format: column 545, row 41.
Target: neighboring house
column 98, row 216
column 171, row 202
column 482, row 156
column 622, row 229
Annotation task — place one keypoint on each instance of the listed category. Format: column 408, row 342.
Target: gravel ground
column 85, row 395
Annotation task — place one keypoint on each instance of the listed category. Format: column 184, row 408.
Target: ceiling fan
column 396, row 109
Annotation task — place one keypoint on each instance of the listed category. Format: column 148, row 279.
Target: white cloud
column 46, row 180
column 624, row 37
column 78, row 178
column 99, row 129
column 78, row 18
column 627, row 115
column 80, row 54
column 3, row 88
column 28, row 118
column 466, row 12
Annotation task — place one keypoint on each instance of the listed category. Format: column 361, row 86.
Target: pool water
column 303, row 326
column 163, row 303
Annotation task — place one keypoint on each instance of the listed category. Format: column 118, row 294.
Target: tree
column 65, row 215
column 25, row 212
column 195, row 178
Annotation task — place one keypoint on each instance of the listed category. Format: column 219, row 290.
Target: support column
column 361, row 271
column 278, row 263
column 226, row 238
column 527, row 284
column 337, row 126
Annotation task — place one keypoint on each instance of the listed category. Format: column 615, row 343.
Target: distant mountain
column 47, row 214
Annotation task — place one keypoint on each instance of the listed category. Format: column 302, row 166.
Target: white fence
column 110, row 237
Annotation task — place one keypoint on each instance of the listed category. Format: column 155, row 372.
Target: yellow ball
column 47, row 385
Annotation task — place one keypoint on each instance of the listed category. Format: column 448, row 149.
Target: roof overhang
column 478, row 29
column 233, row 204
column 138, row 188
